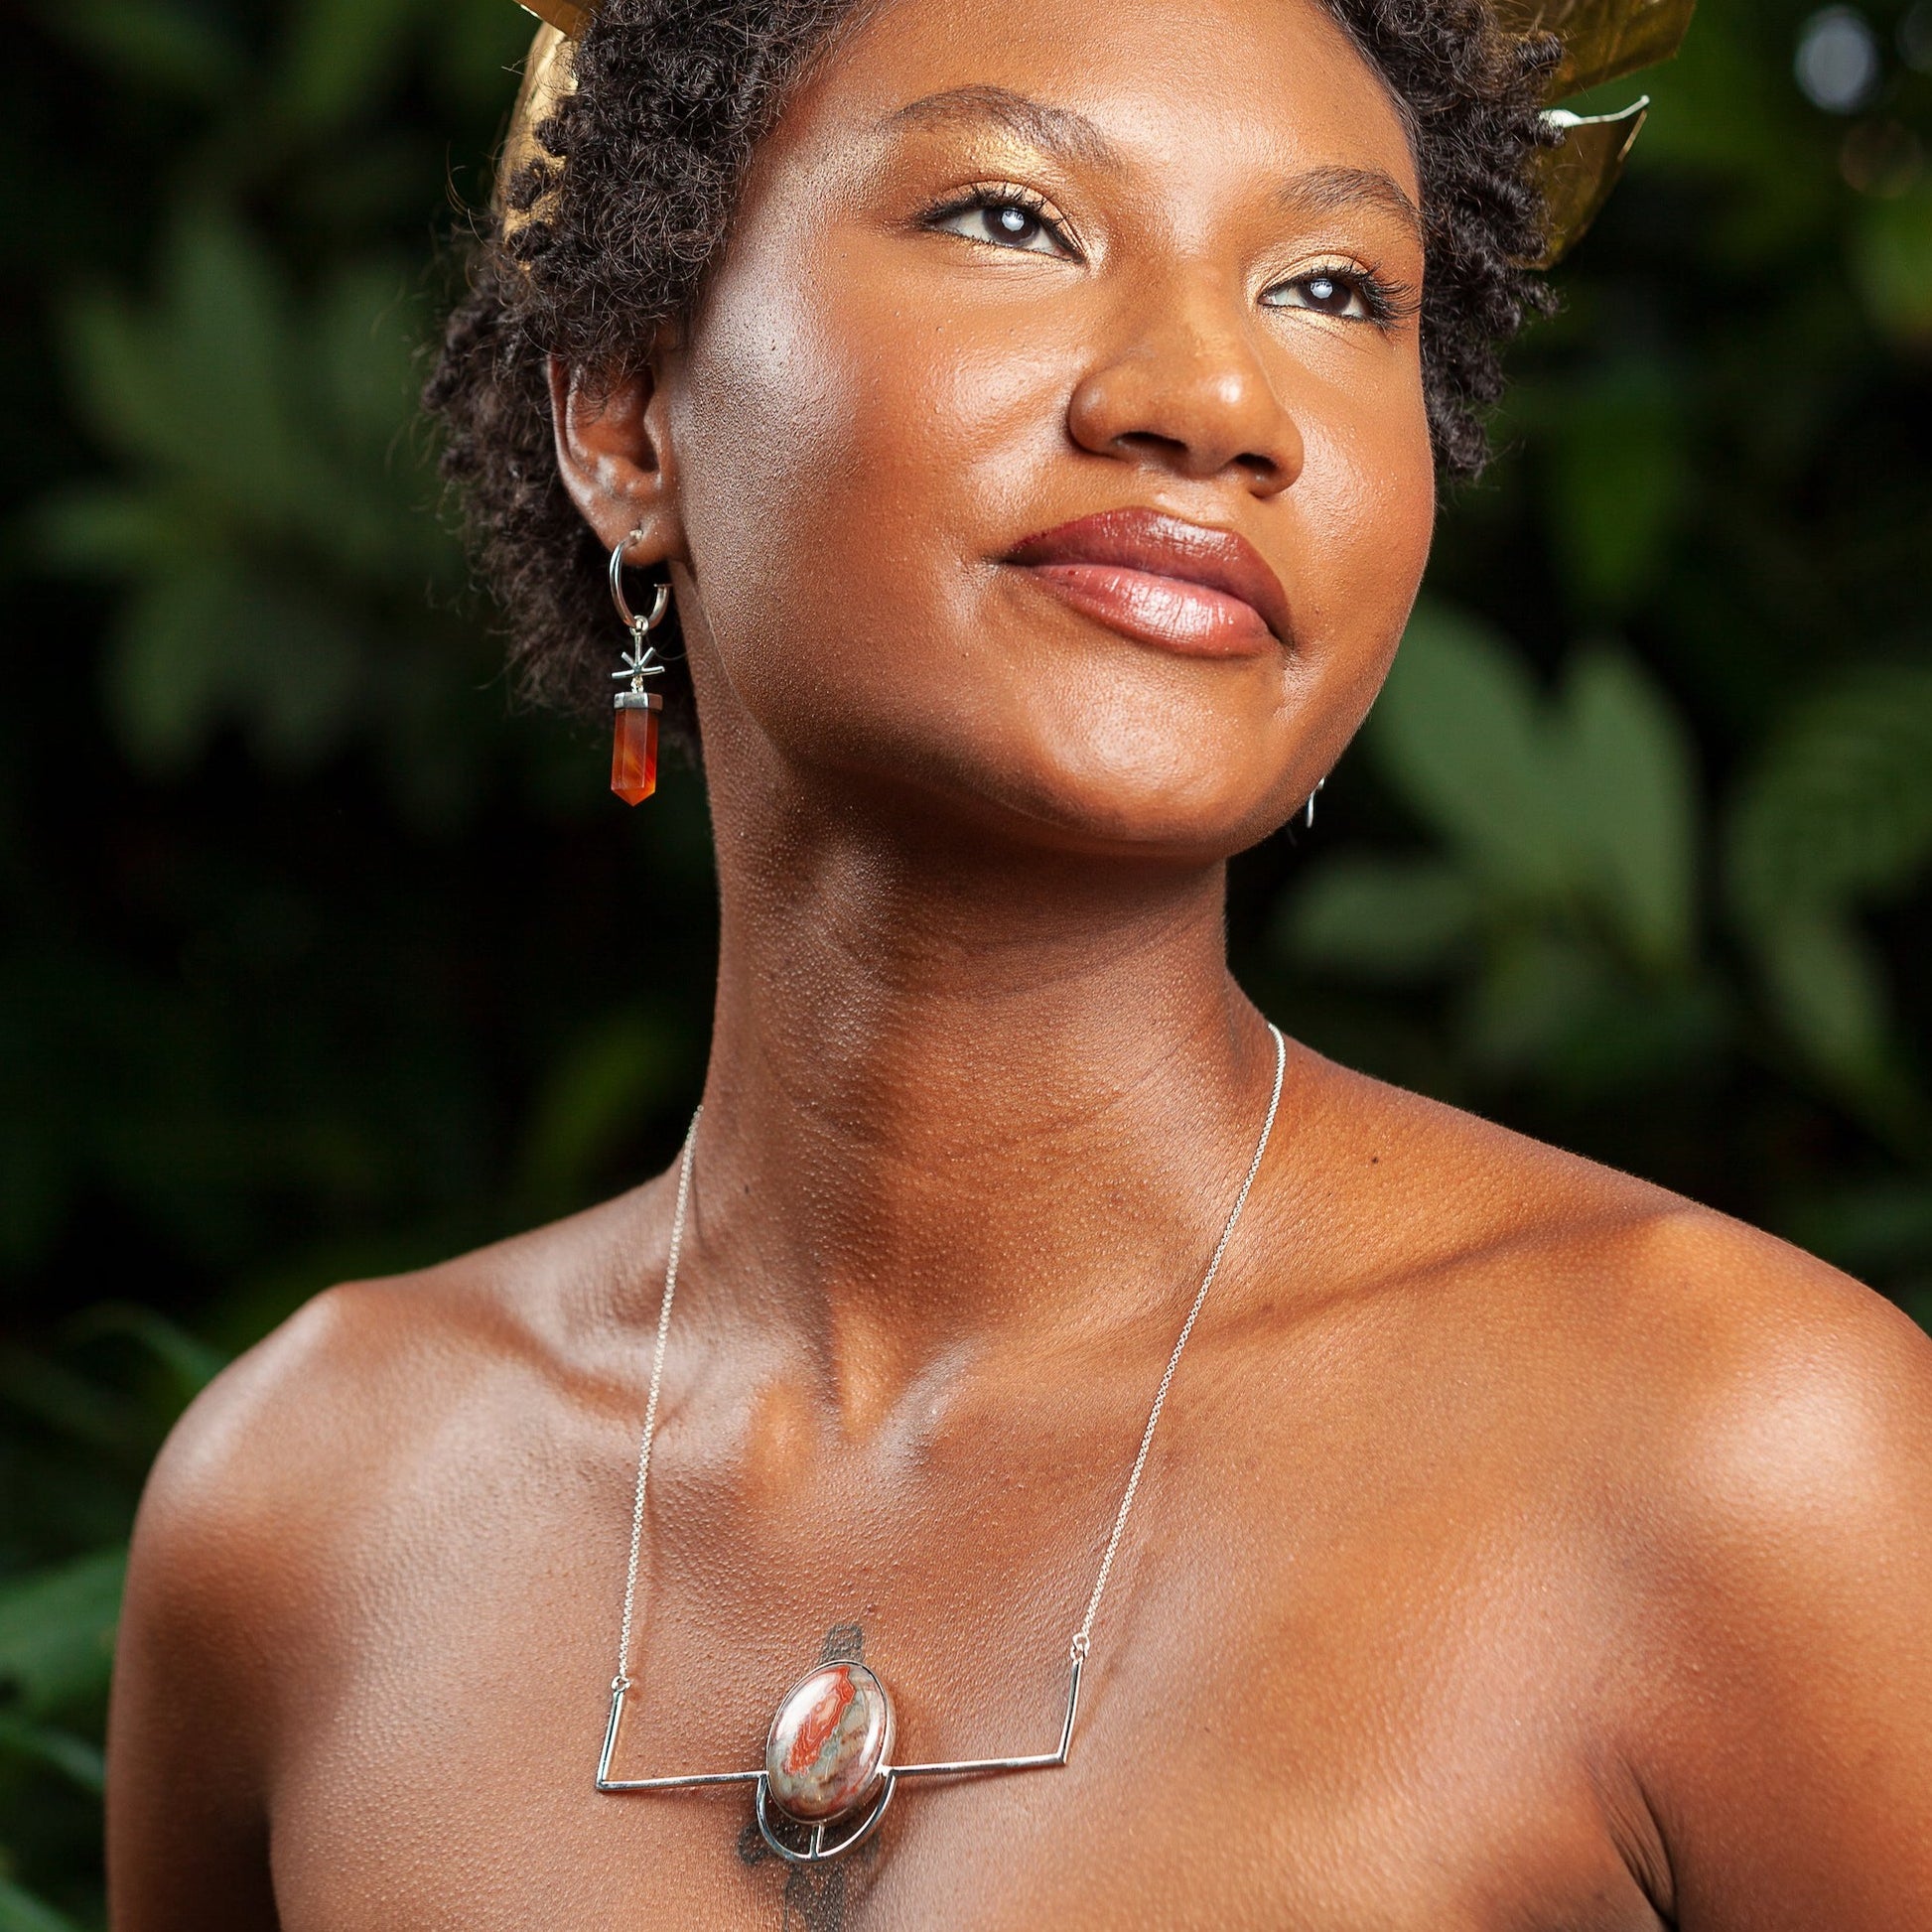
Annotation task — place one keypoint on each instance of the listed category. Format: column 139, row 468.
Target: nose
column 1188, row 393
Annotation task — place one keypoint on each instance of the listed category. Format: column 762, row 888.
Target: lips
column 1201, row 592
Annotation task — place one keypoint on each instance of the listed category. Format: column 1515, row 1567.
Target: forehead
column 1205, row 89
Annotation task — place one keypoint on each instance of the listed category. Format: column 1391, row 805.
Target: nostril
column 1178, row 454
column 1147, row 444
column 1187, row 414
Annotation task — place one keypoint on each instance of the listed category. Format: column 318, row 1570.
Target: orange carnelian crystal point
column 634, row 756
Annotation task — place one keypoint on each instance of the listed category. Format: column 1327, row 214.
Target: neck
column 961, row 1092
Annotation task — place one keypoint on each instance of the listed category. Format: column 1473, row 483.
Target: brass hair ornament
column 1603, row 39
column 547, row 79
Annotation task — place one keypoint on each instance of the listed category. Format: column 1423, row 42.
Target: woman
column 1035, row 411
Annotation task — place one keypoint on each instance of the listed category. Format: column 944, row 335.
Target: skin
column 1524, row 1549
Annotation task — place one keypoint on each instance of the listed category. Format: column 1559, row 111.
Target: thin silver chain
column 1083, row 1637
column 622, row 1679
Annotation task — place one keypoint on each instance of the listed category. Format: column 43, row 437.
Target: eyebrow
column 1329, row 190
column 1064, row 130
column 1057, row 130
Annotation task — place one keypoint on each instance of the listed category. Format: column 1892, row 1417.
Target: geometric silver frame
column 818, row 1848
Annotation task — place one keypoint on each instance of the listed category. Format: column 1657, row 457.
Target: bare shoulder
column 1732, row 1444
column 1760, row 1415
column 1626, row 1298
column 294, row 1448
column 292, row 1497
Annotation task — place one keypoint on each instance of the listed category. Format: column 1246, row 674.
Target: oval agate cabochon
column 829, row 1745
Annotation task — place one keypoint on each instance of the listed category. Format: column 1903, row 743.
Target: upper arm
column 187, row 1829
column 1788, row 1723
column 215, row 1594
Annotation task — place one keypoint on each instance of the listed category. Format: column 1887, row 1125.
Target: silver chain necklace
column 828, row 1773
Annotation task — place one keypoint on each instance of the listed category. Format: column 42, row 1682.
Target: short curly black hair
column 644, row 164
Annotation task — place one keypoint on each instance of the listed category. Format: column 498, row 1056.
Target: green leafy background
column 318, row 957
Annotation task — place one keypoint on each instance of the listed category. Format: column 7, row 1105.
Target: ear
column 614, row 456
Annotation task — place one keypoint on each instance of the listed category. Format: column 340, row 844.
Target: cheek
column 838, row 457
column 1366, row 508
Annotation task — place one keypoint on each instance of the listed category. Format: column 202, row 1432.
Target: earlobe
column 615, row 456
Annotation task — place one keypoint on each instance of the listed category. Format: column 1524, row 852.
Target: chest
column 1330, row 1734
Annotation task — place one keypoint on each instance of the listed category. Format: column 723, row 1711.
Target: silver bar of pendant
column 964, row 1768
column 606, row 1782
column 680, row 1784
column 610, row 1737
column 1043, row 1761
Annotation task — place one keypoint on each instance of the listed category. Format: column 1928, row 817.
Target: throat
column 962, row 1109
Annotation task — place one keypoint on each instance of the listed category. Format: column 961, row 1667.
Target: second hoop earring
column 634, row 751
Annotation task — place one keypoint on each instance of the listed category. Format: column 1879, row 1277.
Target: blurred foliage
column 317, row 959
column 1634, row 852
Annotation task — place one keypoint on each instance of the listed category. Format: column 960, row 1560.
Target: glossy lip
column 1187, row 587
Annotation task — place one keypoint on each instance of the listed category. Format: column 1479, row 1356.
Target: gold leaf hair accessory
column 568, row 17
column 1603, row 39
column 547, row 79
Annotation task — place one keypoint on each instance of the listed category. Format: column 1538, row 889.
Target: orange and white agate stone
column 634, row 754
column 830, row 1745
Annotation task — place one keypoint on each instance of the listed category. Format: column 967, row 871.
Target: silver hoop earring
column 1320, row 785
column 634, row 752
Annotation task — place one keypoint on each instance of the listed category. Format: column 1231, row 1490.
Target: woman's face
column 1049, row 445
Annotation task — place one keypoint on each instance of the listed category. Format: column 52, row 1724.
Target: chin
column 1142, row 814
column 1062, row 740
column 1142, row 788
column 1195, row 774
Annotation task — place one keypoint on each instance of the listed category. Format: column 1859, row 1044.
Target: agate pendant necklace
column 828, row 1773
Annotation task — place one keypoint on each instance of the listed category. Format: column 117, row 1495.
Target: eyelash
column 1384, row 303
column 986, row 196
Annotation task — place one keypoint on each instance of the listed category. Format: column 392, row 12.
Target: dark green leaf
column 21, row 1911
column 1617, row 484
column 57, row 1631
column 156, row 45
column 1892, row 254
column 74, row 1757
column 1458, row 733
column 1627, row 770
column 1391, row 918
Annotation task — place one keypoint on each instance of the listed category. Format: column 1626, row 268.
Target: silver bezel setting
column 880, row 1771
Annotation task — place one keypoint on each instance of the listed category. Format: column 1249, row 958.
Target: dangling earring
column 633, row 754
column 1320, row 785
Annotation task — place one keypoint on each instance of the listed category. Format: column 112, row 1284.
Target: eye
column 1006, row 217
column 1348, row 294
